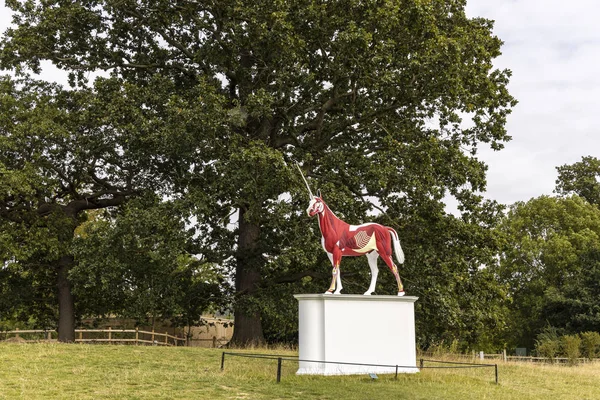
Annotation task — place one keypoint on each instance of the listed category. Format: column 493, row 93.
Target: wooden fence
column 111, row 336
column 481, row 356
column 557, row 360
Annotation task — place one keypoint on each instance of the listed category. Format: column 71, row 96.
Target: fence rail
column 131, row 336
column 281, row 358
column 481, row 356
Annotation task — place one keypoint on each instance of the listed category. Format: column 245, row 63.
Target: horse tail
column 397, row 248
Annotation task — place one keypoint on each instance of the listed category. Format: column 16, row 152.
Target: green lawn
column 56, row 371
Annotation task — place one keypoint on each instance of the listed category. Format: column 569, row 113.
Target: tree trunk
column 66, row 304
column 248, row 328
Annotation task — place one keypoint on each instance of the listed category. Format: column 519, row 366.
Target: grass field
column 58, row 371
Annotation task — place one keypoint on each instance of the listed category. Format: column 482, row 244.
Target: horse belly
column 353, row 252
column 365, row 247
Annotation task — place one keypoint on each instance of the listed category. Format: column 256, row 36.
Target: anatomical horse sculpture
column 342, row 239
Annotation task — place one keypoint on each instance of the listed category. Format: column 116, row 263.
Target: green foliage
column 571, row 347
column 458, row 298
column 590, row 344
column 382, row 103
column 141, row 263
column 550, row 262
column 63, row 152
column 547, row 343
column 550, row 344
column 576, row 305
column 581, row 178
column 27, row 295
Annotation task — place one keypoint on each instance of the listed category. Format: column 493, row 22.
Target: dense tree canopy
column 142, row 263
column 64, row 152
column 550, row 262
column 383, row 103
column 59, row 160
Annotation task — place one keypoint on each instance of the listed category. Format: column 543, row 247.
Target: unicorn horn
column 308, row 187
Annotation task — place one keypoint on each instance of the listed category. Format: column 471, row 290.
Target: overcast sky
column 553, row 49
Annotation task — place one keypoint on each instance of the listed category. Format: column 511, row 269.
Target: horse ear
column 319, row 193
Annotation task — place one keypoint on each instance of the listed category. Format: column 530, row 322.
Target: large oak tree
column 384, row 104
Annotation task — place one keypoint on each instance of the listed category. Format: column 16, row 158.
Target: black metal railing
column 281, row 358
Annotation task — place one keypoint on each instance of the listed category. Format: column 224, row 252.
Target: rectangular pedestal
column 356, row 329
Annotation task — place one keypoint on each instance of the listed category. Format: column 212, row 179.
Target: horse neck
column 330, row 224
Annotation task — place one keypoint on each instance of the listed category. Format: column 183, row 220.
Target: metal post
column 278, row 369
column 421, row 363
column 222, row 361
column 496, row 365
column 396, row 378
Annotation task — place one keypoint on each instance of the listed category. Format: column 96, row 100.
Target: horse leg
column 372, row 258
column 387, row 258
column 330, row 290
column 338, row 281
column 335, row 259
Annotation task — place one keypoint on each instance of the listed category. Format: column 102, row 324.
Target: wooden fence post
column 504, row 355
column 48, row 335
column 80, row 335
column 109, row 334
column 278, row 369
column 166, row 338
column 496, row 372
column 152, row 340
column 137, row 335
column 17, row 333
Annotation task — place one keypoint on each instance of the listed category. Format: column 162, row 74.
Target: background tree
column 581, row 178
column 550, row 264
column 575, row 308
column 142, row 262
column 48, row 149
column 459, row 296
column 368, row 96
column 67, row 151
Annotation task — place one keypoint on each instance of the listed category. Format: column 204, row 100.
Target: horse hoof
column 328, row 292
column 367, row 293
column 402, row 293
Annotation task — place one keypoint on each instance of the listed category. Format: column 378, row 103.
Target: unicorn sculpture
column 342, row 239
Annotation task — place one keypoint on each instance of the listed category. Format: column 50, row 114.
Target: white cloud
column 553, row 49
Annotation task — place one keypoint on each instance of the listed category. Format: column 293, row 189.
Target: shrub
column 547, row 343
column 571, row 347
column 590, row 344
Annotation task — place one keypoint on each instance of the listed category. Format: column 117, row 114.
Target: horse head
column 316, row 206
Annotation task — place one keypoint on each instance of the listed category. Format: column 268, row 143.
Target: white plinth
column 356, row 329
